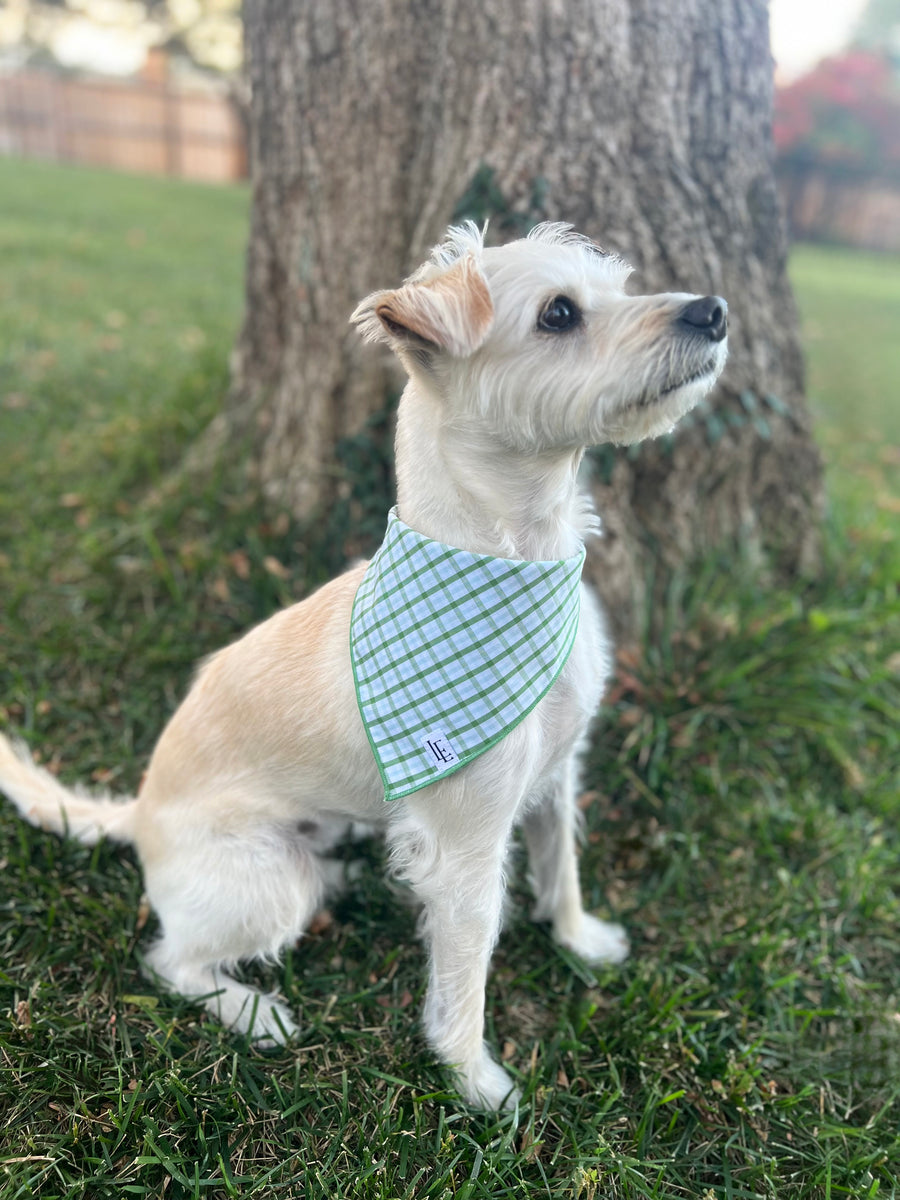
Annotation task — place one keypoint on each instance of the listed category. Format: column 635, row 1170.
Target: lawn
column 742, row 797
column 850, row 304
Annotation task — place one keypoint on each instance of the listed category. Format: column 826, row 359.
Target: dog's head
column 539, row 340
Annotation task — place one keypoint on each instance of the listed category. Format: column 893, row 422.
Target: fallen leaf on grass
column 529, row 1148
column 629, row 656
column 853, row 774
column 128, row 564
column 322, row 920
column 239, row 563
column 388, row 1001
column 220, row 589
column 683, row 738
column 276, row 568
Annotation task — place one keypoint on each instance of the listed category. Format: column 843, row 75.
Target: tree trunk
column 645, row 124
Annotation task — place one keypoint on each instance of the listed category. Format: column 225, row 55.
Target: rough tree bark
column 645, row 124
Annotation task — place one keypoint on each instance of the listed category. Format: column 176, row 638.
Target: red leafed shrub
column 845, row 113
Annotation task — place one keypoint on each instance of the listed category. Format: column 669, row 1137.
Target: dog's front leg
column 455, row 862
column 549, row 828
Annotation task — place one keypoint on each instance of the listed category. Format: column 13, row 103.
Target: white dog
column 519, row 356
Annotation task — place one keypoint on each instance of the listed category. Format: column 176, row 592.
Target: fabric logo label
column 440, row 751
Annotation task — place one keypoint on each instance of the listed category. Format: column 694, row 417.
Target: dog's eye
column 559, row 315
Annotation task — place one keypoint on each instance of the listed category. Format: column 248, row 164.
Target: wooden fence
column 853, row 208
column 136, row 125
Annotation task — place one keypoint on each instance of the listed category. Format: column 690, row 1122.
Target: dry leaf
column 322, row 920
column 528, row 1147
column 143, row 914
column 220, row 589
column 239, row 563
column 629, row 656
column 276, row 568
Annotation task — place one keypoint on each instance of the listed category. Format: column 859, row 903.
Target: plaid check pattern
column 451, row 650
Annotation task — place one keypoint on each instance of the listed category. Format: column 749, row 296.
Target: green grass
column 742, row 800
column 850, row 304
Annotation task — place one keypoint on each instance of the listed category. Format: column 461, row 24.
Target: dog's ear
column 452, row 311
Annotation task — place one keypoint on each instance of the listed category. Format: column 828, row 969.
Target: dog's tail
column 42, row 800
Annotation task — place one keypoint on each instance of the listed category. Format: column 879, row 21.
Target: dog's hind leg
column 226, row 896
column 237, row 1005
column 550, row 827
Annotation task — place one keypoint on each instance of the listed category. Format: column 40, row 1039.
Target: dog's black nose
column 708, row 315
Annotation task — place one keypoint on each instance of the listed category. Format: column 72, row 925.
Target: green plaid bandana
column 451, row 650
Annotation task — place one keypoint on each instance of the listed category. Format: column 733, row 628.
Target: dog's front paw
column 267, row 1021
column 485, row 1084
column 597, row 941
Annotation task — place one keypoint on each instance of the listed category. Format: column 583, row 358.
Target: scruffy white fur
column 266, row 761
